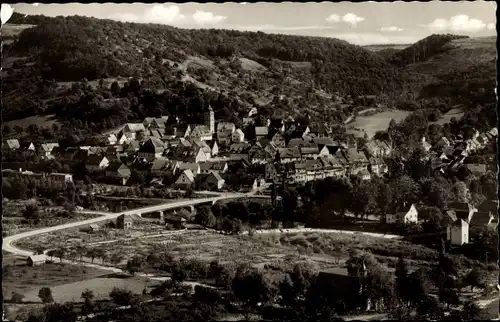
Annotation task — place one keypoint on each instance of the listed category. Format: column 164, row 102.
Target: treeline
column 339, row 65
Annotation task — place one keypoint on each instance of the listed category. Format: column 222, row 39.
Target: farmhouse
column 13, row 144
column 185, row 180
column 36, row 260
column 458, row 232
column 124, row 222
column 407, row 215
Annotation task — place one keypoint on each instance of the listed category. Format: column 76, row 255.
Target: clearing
column 38, row 120
column 373, row 123
column 456, row 113
column 251, row 65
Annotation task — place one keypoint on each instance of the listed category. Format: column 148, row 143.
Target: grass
column 28, row 280
column 251, row 65
column 38, row 120
column 377, row 122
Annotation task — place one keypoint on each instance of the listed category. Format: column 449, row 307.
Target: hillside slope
column 68, row 66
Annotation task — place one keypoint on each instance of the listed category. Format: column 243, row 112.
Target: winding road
column 8, row 241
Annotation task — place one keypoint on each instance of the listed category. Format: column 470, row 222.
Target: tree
column 205, row 217
column 178, row 272
column 137, row 177
column 60, row 312
column 475, row 278
column 116, row 258
column 430, row 308
column 32, row 213
column 17, row 297
column 123, row 297
column 61, row 252
column 39, row 250
column 92, row 253
column 461, row 192
column 134, row 264
column 88, row 304
column 45, row 294
column 252, row 287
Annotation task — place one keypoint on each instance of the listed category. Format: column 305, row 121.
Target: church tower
column 210, row 119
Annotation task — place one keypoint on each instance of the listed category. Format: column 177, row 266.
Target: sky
column 359, row 23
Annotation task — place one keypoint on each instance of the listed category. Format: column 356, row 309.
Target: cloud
column 491, row 26
column 458, row 23
column 333, row 18
column 159, row 13
column 391, row 29
column 349, row 18
column 207, row 18
column 352, row 18
column 164, row 14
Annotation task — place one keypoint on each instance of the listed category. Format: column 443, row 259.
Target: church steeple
column 210, row 119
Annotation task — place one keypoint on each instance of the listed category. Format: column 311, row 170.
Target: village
column 218, row 157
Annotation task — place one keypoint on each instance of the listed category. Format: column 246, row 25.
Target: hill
column 68, row 66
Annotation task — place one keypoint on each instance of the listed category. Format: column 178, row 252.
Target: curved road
column 9, row 240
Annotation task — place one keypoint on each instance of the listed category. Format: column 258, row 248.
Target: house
column 299, row 131
column 238, row 136
column 458, row 232
column 312, row 152
column 28, row 146
column 159, row 166
column 225, row 131
column 111, row 139
column 357, row 161
column 198, row 144
column 377, row 166
column 131, row 147
column 479, row 169
column 271, row 173
column 158, row 122
column 201, row 132
column 219, row 167
column 278, row 140
column 211, row 181
column 463, row 210
column 124, row 138
column 133, row 128
column 288, row 154
column 442, row 143
column 96, row 163
column 364, row 175
column 185, row 180
column 408, row 215
column 300, row 142
column 151, row 149
column 261, row 132
column 376, row 148
column 239, row 148
column 257, row 154
column 482, row 219
column 177, row 219
column 36, row 260
column 46, row 150
column 13, row 144
column 195, row 168
column 124, row 221
column 61, row 177
column 201, row 156
column 94, row 227
column 118, row 171
column 248, row 121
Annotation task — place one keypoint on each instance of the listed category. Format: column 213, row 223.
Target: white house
column 458, row 232
column 185, row 180
column 96, row 163
column 225, row 131
column 409, row 215
column 111, row 139
column 238, row 136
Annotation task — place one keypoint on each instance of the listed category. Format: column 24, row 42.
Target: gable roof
column 207, row 166
column 37, row 258
column 158, row 164
column 225, row 126
column 189, row 166
column 95, row 159
column 13, row 143
column 115, row 166
column 261, row 130
column 188, row 174
column 481, row 218
column 239, row 132
column 239, row 147
column 289, row 152
column 134, row 127
column 153, row 145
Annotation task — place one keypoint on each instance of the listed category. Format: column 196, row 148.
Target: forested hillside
column 79, row 69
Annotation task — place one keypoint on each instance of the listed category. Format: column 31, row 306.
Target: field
column 251, row 65
column 50, row 215
column 456, row 113
column 39, row 120
column 377, row 122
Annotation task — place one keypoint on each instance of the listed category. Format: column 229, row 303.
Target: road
column 104, row 216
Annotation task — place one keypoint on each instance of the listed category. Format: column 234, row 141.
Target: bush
column 17, row 298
